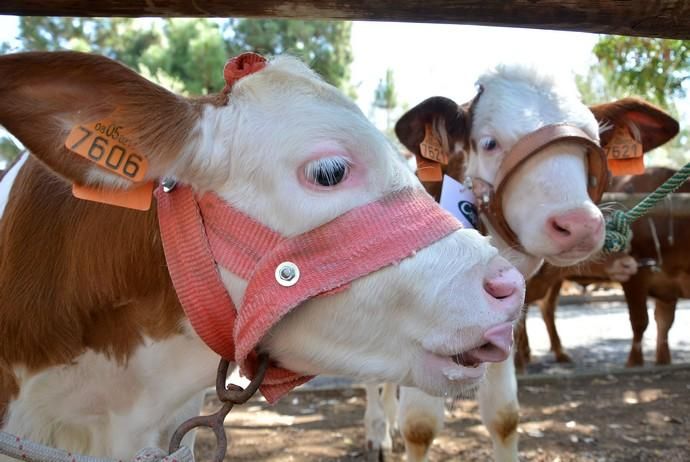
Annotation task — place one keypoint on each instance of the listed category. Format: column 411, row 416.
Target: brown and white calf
column 96, row 353
column 546, row 204
column 666, row 281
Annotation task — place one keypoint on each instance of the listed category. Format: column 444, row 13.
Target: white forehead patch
column 518, row 99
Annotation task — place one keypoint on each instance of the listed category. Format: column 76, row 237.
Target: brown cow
column 663, row 274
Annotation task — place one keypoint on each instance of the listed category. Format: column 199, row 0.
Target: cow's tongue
column 497, row 348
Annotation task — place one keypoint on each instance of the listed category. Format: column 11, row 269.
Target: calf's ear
column 651, row 125
column 449, row 123
column 44, row 96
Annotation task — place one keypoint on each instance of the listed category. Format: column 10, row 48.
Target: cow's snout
column 504, row 286
column 575, row 230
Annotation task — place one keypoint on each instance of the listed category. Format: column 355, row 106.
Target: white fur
column 251, row 152
column 98, row 407
column 517, row 100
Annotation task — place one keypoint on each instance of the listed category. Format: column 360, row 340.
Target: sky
column 440, row 59
column 435, row 59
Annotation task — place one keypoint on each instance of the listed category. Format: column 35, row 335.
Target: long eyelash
column 326, row 166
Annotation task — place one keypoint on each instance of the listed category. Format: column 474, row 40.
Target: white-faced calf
column 96, row 352
column 528, row 144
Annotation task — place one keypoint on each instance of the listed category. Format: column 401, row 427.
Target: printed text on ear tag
column 624, row 154
column 105, row 143
column 431, row 148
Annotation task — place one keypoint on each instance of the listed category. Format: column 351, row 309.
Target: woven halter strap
column 526, row 147
column 201, row 234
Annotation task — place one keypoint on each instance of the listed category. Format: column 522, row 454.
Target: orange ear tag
column 431, row 147
column 624, row 154
column 432, row 157
column 137, row 198
column 428, row 171
column 105, row 143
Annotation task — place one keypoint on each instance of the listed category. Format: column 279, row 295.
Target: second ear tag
column 624, row 154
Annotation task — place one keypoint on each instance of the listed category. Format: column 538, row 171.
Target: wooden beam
column 653, row 18
column 678, row 204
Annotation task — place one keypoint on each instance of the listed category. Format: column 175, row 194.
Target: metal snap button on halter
column 287, row 274
column 168, row 184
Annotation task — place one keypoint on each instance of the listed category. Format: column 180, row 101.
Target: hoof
column 663, row 356
column 635, row 361
column 376, row 455
column 562, row 357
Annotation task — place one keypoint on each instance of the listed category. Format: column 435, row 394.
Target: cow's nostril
column 499, row 288
column 558, row 228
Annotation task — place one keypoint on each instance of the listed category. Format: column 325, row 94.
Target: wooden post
column 653, row 18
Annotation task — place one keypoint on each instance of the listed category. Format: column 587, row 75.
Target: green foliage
column 188, row 55
column 324, row 45
column 193, row 51
column 654, row 69
column 8, row 150
column 385, row 96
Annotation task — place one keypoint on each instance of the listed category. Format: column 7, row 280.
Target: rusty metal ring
column 229, row 396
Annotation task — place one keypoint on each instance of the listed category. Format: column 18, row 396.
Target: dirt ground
column 640, row 417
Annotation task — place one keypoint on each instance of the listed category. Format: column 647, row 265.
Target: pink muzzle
column 201, row 233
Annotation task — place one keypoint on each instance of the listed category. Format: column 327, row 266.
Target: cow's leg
column 522, row 351
column 389, row 398
column 376, row 424
column 664, row 314
column 636, row 296
column 498, row 406
column 548, row 306
column 420, row 420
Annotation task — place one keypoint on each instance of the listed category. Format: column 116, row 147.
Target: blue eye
column 328, row 171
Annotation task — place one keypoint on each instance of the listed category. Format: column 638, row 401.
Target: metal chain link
column 229, row 396
column 26, row 450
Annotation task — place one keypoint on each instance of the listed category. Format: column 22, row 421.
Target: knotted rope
column 23, row 449
column 618, row 232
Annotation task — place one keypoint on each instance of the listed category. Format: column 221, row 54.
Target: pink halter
column 201, row 233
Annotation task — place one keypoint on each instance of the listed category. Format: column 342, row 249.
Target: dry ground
column 643, row 417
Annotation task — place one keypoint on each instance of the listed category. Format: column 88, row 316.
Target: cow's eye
column 488, row 143
column 328, row 171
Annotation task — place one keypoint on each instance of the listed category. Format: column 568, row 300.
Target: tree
column 188, row 55
column 323, row 45
column 193, row 51
column 385, row 96
column 654, row 69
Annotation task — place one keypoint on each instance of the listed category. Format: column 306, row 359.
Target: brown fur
column 419, row 431
column 655, row 125
column 42, row 95
column 76, row 275
column 506, row 423
column 667, row 286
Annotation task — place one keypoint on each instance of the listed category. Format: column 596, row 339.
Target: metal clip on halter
column 230, row 396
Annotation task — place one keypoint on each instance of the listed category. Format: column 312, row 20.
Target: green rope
column 618, row 232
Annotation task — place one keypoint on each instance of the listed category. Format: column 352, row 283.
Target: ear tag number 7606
column 104, row 144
